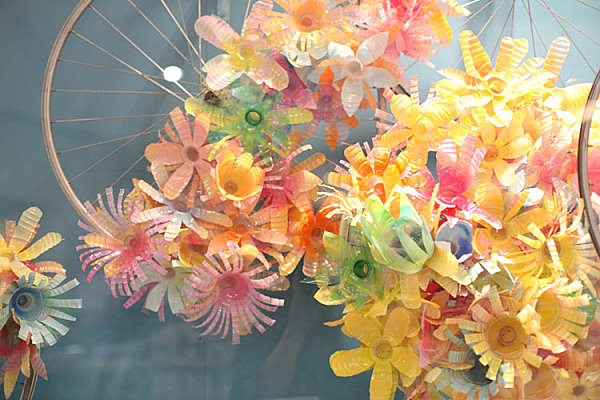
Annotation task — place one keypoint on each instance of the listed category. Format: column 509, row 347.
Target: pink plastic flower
column 188, row 151
column 296, row 94
column 117, row 244
column 456, row 171
column 226, row 296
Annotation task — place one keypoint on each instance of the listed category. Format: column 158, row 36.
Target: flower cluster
column 480, row 282
column 30, row 299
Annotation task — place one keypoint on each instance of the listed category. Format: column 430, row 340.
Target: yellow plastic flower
column 501, row 89
column 419, row 124
column 558, row 306
column 501, row 333
column 388, row 350
column 237, row 178
column 515, row 222
column 503, row 146
column 17, row 252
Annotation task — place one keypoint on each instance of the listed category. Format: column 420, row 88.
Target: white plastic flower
column 358, row 69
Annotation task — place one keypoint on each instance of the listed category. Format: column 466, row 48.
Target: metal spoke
column 135, row 46
column 110, row 91
column 569, row 22
column 59, row 121
column 190, row 60
column 568, row 35
column 474, row 15
column 108, row 53
column 186, row 32
column 124, row 71
column 528, row 8
column 127, row 171
column 87, row 146
column 100, row 161
column 588, row 4
column 181, row 29
column 512, row 8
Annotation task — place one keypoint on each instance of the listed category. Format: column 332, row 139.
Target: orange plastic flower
column 237, row 178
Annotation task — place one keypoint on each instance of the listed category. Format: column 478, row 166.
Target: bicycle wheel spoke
column 87, row 146
column 135, row 46
column 179, row 6
column 508, row 15
column 127, row 171
column 108, row 53
column 490, row 19
column 187, row 38
column 528, row 8
column 474, row 15
column 588, row 4
column 568, row 35
column 189, row 60
column 124, row 71
column 110, row 91
column 110, row 154
column 572, row 25
column 60, row 121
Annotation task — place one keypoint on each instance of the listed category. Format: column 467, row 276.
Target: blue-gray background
column 112, row 353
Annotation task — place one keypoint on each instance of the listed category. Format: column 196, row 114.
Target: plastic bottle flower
column 456, row 172
column 296, row 92
column 504, row 87
column 237, row 177
column 187, row 153
column 336, row 122
column 17, row 251
column 117, row 244
column 359, row 70
column 302, row 31
column 561, row 320
column 245, row 55
column 387, row 350
column 501, row 332
column 226, row 296
column 159, row 288
column 361, row 278
column 33, row 305
column 177, row 212
column 307, row 241
column 287, row 185
column 257, row 119
column 18, row 355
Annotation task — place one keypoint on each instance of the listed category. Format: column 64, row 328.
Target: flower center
column 423, row 127
column 179, row 204
column 247, row 50
column 491, row 153
column 170, row 275
column 383, row 350
column 253, row 117
column 578, row 390
column 361, row 269
column 355, row 67
column 499, row 234
column 9, row 255
column 316, row 235
column 191, row 153
column 507, row 335
column 130, row 242
column 496, row 86
column 233, row 288
column 24, row 300
column 230, row 187
column 241, row 225
column 307, row 20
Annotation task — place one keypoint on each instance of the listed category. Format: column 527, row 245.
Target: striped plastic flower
column 224, row 294
column 17, row 251
column 117, row 244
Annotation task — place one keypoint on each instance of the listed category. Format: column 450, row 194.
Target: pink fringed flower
column 225, row 295
column 296, row 94
column 188, row 151
column 117, row 244
column 456, row 171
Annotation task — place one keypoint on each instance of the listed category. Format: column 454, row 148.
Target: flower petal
column 352, row 94
column 372, row 48
column 396, row 326
column 340, row 53
column 178, row 181
column 351, row 362
column 362, row 328
column 406, row 361
column 379, row 77
column 382, row 382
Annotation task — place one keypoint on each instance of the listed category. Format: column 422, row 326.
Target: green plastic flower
column 252, row 115
column 361, row 277
column 405, row 243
